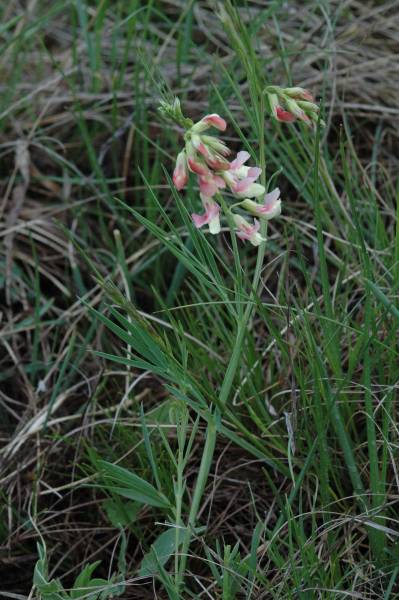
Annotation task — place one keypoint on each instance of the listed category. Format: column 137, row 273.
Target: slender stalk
column 211, row 432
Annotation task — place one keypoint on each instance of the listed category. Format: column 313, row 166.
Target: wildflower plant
column 233, row 192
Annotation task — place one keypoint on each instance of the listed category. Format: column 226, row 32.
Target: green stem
column 211, row 432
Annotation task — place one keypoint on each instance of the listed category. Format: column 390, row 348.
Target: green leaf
column 50, row 590
column 161, row 550
column 129, row 485
column 83, row 579
column 163, row 547
column 121, row 513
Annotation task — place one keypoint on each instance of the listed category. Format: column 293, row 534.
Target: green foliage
column 85, row 585
column 125, row 483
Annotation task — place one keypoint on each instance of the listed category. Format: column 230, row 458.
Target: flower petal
column 199, row 220
column 197, row 167
column 240, row 159
column 208, row 186
column 214, row 120
column 272, row 196
column 283, row 115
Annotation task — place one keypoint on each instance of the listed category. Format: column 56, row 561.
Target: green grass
column 184, row 416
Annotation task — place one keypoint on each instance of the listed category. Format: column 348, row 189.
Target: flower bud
column 298, row 93
column 212, row 120
column 296, row 110
column 180, row 174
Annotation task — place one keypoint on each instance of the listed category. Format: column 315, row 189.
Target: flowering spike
column 206, row 156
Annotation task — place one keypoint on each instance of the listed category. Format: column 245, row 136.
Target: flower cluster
column 207, row 157
column 292, row 104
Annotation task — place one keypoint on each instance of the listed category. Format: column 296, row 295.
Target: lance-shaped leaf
column 128, row 484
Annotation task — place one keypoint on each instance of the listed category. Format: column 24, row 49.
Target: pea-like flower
column 241, row 179
column 212, row 120
column 210, row 216
column 270, row 208
column 248, row 231
column 210, row 184
column 180, row 174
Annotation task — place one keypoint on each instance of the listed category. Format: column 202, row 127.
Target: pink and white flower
column 180, row 174
column 212, row 120
column 210, row 184
column 241, row 179
column 246, row 231
column 210, row 216
column 270, row 208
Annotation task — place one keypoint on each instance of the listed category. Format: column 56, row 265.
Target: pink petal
column 246, row 231
column 218, row 165
column 215, row 121
column 180, row 180
column 211, row 212
column 243, row 184
column 203, row 149
column 242, row 235
column 304, row 117
column 284, row 115
column 254, row 172
column 241, row 158
column 272, row 196
column 197, row 167
column 208, row 186
column 180, row 173
column 305, row 95
column 199, row 220
column 220, row 182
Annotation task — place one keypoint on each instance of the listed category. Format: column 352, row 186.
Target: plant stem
column 211, row 431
